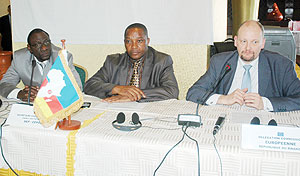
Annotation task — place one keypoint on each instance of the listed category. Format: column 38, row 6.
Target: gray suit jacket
column 158, row 79
column 277, row 79
column 21, row 68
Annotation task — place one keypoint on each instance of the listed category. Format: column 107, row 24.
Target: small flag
column 59, row 95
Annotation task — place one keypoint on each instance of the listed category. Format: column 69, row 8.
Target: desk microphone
column 225, row 70
column 219, row 124
column 29, row 92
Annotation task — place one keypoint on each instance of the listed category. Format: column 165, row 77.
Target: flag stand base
column 69, row 124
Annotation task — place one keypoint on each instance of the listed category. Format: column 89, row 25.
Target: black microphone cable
column 171, row 149
column 218, row 155
column 197, row 150
column 29, row 92
column 2, row 150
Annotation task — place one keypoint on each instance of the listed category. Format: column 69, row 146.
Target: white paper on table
column 22, row 115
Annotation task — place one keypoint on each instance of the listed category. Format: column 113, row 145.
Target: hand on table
column 117, row 99
column 254, row 100
column 236, row 96
column 132, row 92
column 23, row 94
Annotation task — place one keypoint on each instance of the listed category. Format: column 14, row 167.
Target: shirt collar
column 254, row 63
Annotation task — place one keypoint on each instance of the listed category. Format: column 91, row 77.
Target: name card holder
column 274, row 138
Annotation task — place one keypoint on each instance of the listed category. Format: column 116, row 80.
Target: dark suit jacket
column 21, row 68
column 158, row 79
column 277, row 79
column 5, row 31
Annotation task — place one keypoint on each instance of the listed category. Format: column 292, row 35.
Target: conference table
column 98, row 148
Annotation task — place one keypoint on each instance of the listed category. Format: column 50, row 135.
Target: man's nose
column 134, row 44
column 43, row 47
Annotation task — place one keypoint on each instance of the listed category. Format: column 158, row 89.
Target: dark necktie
column 135, row 78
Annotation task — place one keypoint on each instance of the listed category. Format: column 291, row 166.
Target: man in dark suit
column 139, row 74
column 5, row 31
column 271, row 82
column 40, row 49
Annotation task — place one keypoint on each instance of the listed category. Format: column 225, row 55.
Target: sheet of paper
column 22, row 115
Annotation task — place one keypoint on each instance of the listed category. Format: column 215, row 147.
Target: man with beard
column 40, row 49
column 258, row 78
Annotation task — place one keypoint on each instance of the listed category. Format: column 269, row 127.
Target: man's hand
column 254, row 100
column 133, row 93
column 235, row 97
column 117, row 99
column 23, row 94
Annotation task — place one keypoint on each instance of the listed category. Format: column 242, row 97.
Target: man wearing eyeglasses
column 40, row 49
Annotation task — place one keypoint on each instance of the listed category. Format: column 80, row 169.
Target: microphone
column 29, row 92
column 255, row 121
column 219, row 124
column 225, row 70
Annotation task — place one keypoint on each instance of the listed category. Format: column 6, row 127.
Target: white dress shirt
column 41, row 65
column 237, row 83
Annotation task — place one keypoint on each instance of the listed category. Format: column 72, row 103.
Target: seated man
column 139, row 74
column 258, row 78
column 40, row 49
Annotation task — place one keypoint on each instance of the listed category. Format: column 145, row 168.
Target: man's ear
column 263, row 43
column 29, row 48
column 148, row 41
column 235, row 40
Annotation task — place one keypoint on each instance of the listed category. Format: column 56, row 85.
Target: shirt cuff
column 267, row 104
column 14, row 93
column 212, row 100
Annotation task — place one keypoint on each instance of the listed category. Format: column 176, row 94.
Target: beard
column 252, row 58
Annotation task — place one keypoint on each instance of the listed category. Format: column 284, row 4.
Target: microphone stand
column 29, row 92
column 208, row 93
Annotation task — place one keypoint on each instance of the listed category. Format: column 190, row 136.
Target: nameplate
column 274, row 138
column 22, row 115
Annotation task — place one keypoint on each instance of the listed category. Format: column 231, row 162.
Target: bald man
column 272, row 83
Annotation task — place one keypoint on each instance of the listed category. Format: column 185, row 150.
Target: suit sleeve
column 167, row 87
column 10, row 79
column 290, row 98
column 72, row 68
column 201, row 87
column 99, row 84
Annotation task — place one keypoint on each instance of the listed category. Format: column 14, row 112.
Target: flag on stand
column 59, row 95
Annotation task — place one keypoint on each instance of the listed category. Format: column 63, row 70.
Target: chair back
column 83, row 74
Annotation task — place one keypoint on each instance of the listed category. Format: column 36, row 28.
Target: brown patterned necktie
column 135, row 78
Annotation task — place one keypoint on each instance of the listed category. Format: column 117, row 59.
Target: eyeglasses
column 39, row 45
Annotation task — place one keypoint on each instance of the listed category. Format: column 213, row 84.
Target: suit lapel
column 123, row 71
column 148, row 67
column 230, row 74
column 264, row 74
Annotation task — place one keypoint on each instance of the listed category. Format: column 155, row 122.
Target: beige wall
column 190, row 60
column 3, row 7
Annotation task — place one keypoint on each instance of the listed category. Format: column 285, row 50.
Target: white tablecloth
column 99, row 149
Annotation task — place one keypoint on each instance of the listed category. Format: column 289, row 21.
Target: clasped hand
column 241, row 97
column 125, row 94
column 23, row 94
